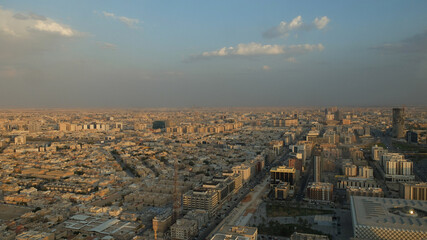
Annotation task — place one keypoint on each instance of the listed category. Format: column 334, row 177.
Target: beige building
column 283, row 174
column 378, row 152
column 161, row 223
column 350, row 170
column 20, row 140
column 414, row 191
column 201, row 198
column 237, row 178
column 291, row 122
column 236, row 233
column 184, row 229
column 366, row 192
column 243, row 170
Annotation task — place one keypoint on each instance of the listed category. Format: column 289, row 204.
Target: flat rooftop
column 220, row 236
column 389, row 213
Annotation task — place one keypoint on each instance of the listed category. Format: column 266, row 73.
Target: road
column 124, row 167
column 304, row 181
column 235, row 214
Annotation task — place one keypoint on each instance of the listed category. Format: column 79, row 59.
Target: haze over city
column 212, row 54
column 213, row 120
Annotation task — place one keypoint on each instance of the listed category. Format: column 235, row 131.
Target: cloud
column 55, row 28
column 321, row 23
column 249, row 49
column 130, row 22
column 257, row 49
column 21, row 25
column 296, row 24
column 107, row 45
column 24, row 37
column 266, row 68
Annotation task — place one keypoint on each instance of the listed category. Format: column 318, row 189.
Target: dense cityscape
column 213, row 120
column 261, row 173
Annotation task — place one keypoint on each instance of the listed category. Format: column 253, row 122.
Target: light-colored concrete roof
column 389, row 213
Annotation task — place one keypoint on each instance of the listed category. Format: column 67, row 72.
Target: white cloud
column 257, row 49
column 249, row 49
column 296, row 24
column 53, row 27
column 130, row 22
column 23, row 25
column 321, row 23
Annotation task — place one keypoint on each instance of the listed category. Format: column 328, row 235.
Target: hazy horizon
column 192, row 54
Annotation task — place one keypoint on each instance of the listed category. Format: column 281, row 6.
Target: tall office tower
column 398, row 123
column 317, row 164
column 317, row 152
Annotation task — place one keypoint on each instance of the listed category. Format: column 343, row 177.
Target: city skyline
column 148, row 54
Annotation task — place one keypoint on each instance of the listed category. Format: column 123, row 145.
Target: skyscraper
column 317, row 152
column 398, row 123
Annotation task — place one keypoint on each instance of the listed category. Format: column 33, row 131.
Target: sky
column 223, row 53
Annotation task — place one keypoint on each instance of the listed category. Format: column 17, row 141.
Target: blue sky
column 212, row 53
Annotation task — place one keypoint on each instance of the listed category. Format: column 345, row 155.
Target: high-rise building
column 414, row 191
column 411, row 137
column 366, row 172
column 201, row 198
column 396, row 168
column 219, row 187
column 350, row 170
column 320, row 191
column 378, row 152
column 317, row 152
column 295, row 163
column 160, row 124
column 398, row 123
column 282, row 174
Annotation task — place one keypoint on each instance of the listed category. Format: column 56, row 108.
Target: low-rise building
column 367, row 192
column 236, row 233
column 387, row 218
